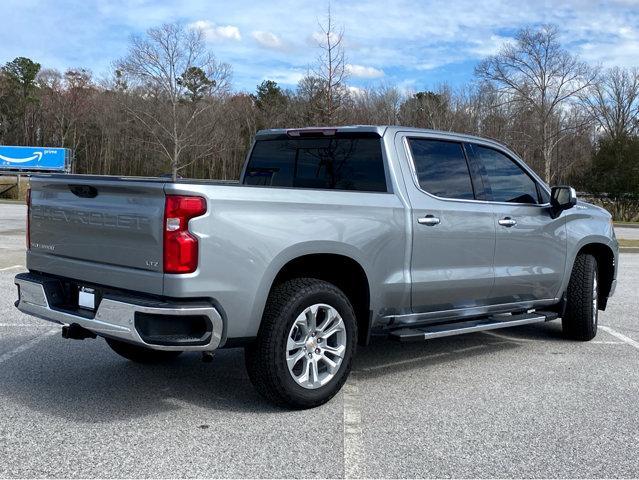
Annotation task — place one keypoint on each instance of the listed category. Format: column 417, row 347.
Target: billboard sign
column 29, row 159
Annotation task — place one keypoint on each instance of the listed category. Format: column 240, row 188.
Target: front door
column 530, row 251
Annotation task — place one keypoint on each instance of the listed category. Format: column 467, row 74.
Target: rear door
column 530, row 251
column 453, row 233
column 104, row 231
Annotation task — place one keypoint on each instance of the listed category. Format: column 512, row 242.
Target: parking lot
column 521, row 402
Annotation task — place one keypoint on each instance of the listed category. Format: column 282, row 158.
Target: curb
column 625, row 225
column 629, row 250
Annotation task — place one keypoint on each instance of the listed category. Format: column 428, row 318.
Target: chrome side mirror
column 562, row 198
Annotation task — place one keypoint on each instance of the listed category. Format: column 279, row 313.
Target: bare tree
column 179, row 77
column 613, row 101
column 330, row 68
column 66, row 101
column 379, row 105
column 538, row 73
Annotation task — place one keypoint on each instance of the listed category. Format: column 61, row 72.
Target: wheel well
column 343, row 272
column 605, row 266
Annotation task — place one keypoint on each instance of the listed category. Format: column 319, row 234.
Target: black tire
column 266, row 357
column 581, row 316
column 139, row 354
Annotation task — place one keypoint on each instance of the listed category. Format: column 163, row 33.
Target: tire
column 139, row 354
column 581, row 316
column 287, row 322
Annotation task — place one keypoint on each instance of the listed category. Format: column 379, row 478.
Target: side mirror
column 562, row 198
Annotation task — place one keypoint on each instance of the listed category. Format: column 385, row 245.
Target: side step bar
column 470, row 326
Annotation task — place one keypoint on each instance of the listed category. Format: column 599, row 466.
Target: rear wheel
column 582, row 308
column 139, row 354
column 306, row 342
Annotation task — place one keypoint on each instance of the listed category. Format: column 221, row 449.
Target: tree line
column 169, row 107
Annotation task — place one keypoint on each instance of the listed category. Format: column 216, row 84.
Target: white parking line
column 421, row 358
column 353, row 446
column 512, row 339
column 27, row 345
column 4, row 269
column 620, row 336
column 25, row 325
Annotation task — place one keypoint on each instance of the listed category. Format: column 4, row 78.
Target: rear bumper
column 116, row 316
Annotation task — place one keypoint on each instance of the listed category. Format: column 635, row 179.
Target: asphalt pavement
column 521, row 402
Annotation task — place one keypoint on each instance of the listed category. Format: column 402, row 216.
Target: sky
column 413, row 45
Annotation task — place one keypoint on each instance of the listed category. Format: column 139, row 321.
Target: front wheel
column 139, row 354
column 303, row 352
column 582, row 309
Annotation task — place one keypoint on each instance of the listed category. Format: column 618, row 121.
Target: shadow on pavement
column 86, row 382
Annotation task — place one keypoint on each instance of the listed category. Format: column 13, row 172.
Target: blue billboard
column 26, row 159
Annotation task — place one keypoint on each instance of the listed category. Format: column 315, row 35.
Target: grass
column 623, row 242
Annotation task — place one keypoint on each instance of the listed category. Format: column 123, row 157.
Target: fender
column 291, row 253
column 574, row 249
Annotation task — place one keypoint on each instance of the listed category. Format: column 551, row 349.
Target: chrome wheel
column 595, row 299
column 315, row 346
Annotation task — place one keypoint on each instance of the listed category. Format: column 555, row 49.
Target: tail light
column 29, row 219
column 180, row 246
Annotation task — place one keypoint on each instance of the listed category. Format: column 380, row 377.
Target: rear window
column 337, row 163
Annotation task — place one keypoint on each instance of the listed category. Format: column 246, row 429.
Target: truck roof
column 380, row 130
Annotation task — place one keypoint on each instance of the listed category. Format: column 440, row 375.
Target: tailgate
column 103, row 231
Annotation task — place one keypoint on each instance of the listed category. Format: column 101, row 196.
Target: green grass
column 623, row 242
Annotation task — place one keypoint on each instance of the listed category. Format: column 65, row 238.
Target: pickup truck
column 331, row 236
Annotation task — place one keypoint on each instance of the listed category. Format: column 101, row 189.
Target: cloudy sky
column 414, row 45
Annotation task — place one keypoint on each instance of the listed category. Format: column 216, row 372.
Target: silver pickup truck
column 331, row 236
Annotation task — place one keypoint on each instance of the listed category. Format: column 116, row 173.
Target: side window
column 441, row 168
column 507, row 181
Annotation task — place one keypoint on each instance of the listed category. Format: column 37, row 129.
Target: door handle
column 507, row 222
column 430, row 220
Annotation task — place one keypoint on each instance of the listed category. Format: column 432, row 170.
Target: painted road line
column 4, row 269
column 422, row 358
column 620, row 336
column 27, row 325
column 353, row 445
column 27, row 345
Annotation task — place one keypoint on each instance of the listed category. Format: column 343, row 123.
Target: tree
column 330, row 69
column 66, row 100
column 380, row 105
column 271, row 103
column 537, row 73
column 428, row 110
column 22, row 71
column 20, row 75
column 615, row 168
column 310, row 101
column 613, row 101
column 171, row 64
column 196, row 83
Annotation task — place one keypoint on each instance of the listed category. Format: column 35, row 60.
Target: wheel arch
column 341, row 266
column 606, row 266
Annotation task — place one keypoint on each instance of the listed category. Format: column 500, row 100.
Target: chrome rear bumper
column 113, row 318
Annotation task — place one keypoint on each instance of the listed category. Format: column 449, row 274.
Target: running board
column 470, row 326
